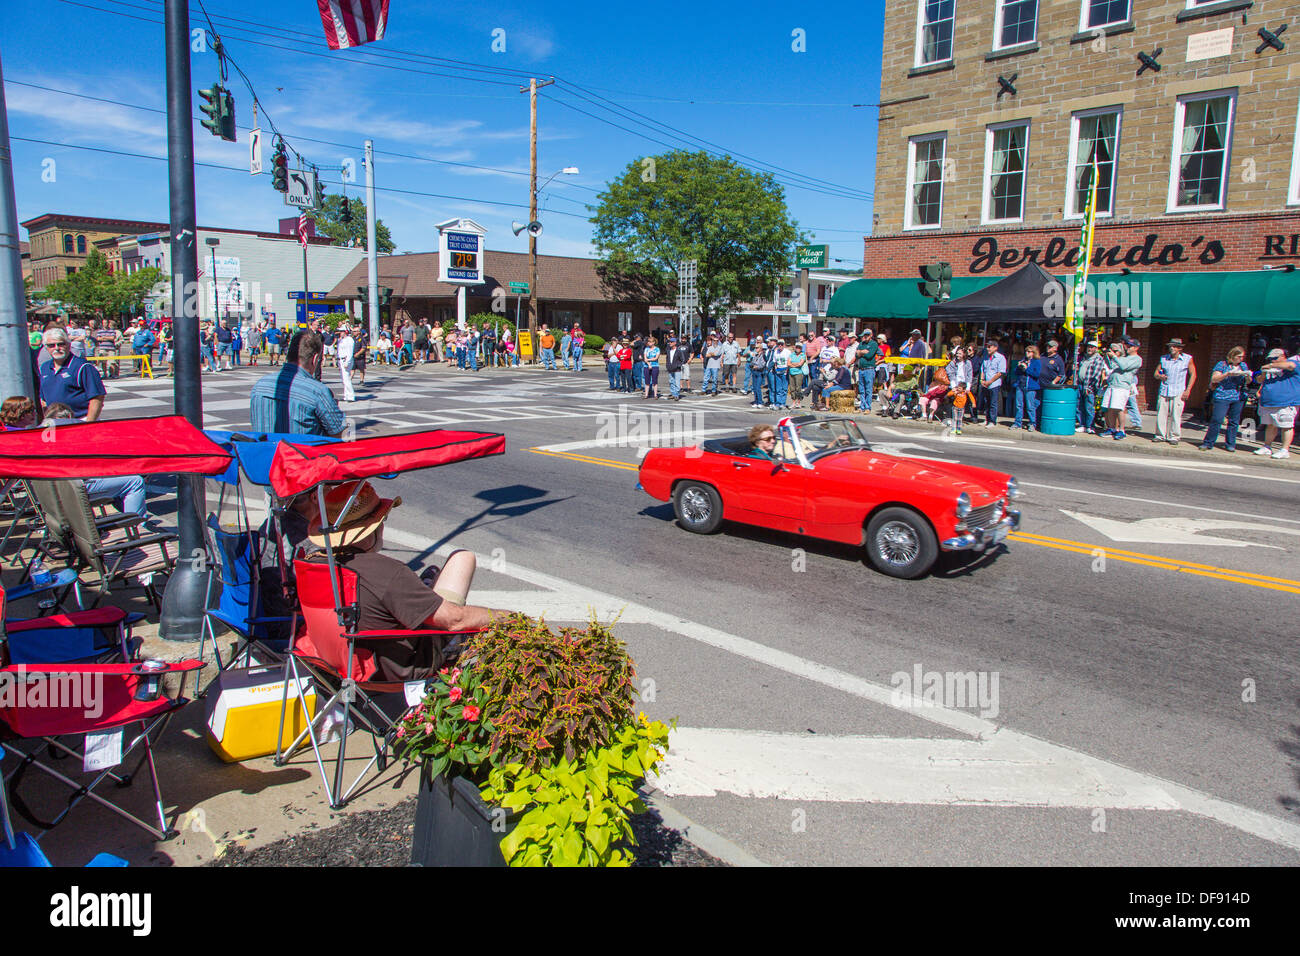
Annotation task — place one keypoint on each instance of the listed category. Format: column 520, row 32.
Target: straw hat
column 366, row 514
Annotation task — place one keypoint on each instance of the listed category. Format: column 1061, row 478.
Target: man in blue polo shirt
column 292, row 400
column 68, row 379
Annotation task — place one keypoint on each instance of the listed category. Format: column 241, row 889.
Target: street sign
column 803, row 318
column 460, row 252
column 519, row 288
column 811, row 257
column 255, row 152
column 302, row 188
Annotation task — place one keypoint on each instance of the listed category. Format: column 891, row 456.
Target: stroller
column 905, row 403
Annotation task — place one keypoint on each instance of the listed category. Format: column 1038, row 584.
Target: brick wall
column 1064, row 72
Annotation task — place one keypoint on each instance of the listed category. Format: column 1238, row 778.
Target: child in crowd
column 960, row 398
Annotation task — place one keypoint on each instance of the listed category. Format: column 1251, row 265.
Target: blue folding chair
column 22, row 850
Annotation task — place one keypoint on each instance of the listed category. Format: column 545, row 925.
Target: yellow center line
column 1058, row 544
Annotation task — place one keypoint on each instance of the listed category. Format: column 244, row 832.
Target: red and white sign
column 350, row 23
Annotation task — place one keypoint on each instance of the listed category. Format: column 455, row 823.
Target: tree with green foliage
column 679, row 205
column 94, row 289
column 329, row 222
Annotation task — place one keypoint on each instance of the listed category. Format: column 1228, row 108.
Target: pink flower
column 401, row 731
column 470, row 713
column 455, row 694
column 428, row 728
column 455, row 675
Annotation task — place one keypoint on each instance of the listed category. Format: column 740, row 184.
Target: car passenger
column 762, row 442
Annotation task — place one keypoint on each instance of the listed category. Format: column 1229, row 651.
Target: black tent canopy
column 1028, row 295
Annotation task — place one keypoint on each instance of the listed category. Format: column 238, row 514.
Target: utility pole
column 533, row 87
column 183, row 600
column 15, row 352
column 372, row 266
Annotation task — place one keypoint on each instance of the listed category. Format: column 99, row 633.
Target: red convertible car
column 822, row 479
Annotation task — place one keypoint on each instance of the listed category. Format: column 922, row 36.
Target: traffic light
column 347, row 212
column 219, row 107
column 385, row 295
column 938, row 281
column 280, row 168
column 318, row 197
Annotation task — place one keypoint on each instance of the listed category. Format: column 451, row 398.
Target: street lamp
column 213, row 242
column 532, row 248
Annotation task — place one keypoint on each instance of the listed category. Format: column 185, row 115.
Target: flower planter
column 454, row 827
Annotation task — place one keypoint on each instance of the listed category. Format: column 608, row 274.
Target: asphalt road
column 1143, row 692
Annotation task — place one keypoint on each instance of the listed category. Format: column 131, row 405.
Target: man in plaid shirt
column 1089, row 383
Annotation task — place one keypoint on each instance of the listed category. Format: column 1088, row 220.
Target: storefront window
column 1017, row 22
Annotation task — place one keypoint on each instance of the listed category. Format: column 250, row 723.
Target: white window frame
column 908, row 208
column 986, row 185
column 1293, row 194
column 1085, row 27
column 917, row 61
column 1175, row 150
column 1193, row 4
column 999, row 8
column 1074, row 146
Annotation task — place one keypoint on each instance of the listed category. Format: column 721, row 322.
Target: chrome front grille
column 985, row 516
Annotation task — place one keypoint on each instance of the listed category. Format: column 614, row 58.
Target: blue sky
column 725, row 73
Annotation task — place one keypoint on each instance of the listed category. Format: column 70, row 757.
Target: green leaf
column 569, row 848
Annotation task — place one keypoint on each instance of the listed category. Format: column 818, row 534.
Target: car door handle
column 737, row 464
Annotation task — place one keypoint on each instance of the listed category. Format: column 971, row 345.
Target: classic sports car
column 825, row 481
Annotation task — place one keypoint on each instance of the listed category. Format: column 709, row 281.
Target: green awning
column 1260, row 297
column 893, row 298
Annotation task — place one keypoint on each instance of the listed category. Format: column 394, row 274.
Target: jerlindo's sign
column 1063, row 253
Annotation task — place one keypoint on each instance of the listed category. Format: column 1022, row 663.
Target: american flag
column 351, row 23
column 302, row 228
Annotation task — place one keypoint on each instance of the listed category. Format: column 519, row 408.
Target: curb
column 700, row 836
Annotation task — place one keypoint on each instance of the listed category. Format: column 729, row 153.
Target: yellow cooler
column 243, row 712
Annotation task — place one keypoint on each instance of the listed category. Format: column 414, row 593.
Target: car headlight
column 1013, row 489
column 963, row 505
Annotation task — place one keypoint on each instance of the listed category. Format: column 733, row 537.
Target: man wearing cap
column 914, row 347
column 1176, row 374
column 864, row 362
column 1089, row 382
column 1279, row 398
column 390, row 596
column 730, row 359
column 345, row 351
column 712, row 365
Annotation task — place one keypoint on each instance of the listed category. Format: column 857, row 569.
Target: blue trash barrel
column 1058, row 415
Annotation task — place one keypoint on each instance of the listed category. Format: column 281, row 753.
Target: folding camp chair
column 342, row 659
column 20, row 516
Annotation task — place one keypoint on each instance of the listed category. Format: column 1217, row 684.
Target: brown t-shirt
column 391, row 597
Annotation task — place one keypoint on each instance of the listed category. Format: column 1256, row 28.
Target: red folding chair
column 342, row 659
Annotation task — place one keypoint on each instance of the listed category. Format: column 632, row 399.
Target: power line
column 244, row 169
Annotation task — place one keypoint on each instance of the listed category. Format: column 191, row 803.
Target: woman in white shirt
column 959, row 369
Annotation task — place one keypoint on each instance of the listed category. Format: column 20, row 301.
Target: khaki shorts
column 1283, row 416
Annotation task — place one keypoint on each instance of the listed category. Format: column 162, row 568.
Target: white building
column 255, row 271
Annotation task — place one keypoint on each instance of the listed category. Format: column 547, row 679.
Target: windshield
column 833, row 434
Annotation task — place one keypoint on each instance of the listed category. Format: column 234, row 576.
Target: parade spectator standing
column 678, row 358
column 421, row 341
column 882, row 361
column 1123, row 380
column 959, row 369
column 626, row 381
column 106, row 343
column 142, row 343
column 346, row 352
column 66, row 379
column 865, row 358
column 1052, row 370
column 274, row 338
column 993, row 370
column 730, row 359
column 638, row 362
column 712, row 365
column 652, row 369
column 1176, row 374
column 408, row 343
column 1028, row 389
column 1089, row 382
column 566, row 343
column 798, row 373
column 546, row 340
column 780, row 376
column 915, row 347
column 436, row 336
column 76, row 339
column 1279, row 397
column 611, row 363
column 758, row 378
column 291, row 400
column 578, row 341
column 236, row 345
column 1132, row 349
column 1228, row 383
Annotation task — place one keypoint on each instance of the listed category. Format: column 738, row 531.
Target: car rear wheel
column 698, row 507
column 901, row 543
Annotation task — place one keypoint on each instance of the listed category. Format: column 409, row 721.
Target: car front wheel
column 901, row 543
column 698, row 507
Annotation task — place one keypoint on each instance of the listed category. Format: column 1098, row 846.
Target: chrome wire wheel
column 897, row 544
column 696, row 507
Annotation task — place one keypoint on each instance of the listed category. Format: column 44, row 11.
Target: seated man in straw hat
column 390, row 595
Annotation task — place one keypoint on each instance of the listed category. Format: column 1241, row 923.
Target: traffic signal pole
column 372, row 265
column 186, row 593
